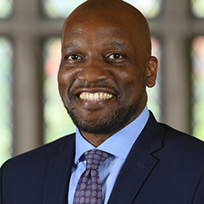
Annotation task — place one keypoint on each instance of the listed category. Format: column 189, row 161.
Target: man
column 105, row 67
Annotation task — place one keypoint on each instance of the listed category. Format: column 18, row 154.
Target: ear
column 152, row 71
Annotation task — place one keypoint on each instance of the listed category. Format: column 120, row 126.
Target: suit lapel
column 138, row 165
column 56, row 187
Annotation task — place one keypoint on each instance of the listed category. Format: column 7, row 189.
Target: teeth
column 95, row 96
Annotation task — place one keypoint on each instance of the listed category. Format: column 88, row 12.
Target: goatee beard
column 107, row 125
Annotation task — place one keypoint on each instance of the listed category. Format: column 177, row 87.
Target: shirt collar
column 118, row 144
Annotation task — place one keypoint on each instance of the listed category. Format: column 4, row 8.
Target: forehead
column 94, row 30
column 98, row 39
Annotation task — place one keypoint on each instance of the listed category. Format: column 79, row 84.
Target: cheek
column 65, row 80
column 128, row 80
column 132, row 84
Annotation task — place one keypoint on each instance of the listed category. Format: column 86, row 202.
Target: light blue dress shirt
column 118, row 145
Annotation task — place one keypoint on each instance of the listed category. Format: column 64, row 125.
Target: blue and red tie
column 89, row 190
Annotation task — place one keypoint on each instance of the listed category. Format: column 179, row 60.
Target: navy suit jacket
column 164, row 166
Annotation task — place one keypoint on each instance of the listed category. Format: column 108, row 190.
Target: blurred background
column 31, row 111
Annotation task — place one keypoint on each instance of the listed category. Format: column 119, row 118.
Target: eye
column 115, row 56
column 72, row 57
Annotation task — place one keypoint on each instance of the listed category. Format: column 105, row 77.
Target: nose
column 93, row 71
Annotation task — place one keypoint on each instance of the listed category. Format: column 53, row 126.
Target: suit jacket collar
column 139, row 164
column 56, row 187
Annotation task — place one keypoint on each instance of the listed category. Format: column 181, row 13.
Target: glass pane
column 197, row 7
column 54, row 9
column 5, row 99
column 57, row 121
column 198, row 86
column 154, row 94
column 150, row 8
column 5, row 8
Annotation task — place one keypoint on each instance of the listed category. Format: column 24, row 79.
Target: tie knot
column 94, row 158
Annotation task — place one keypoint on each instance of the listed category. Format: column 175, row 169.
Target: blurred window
column 57, row 122
column 54, row 9
column 5, row 98
column 150, row 8
column 198, row 86
column 6, row 8
column 59, row 9
column 197, row 7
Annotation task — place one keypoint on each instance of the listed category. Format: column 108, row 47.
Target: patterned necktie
column 89, row 188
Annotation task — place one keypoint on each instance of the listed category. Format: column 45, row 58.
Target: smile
column 95, row 96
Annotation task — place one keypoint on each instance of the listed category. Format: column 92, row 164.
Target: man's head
column 106, row 65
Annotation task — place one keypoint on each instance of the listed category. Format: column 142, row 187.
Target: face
column 102, row 76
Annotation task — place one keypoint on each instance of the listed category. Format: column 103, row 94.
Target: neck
column 95, row 139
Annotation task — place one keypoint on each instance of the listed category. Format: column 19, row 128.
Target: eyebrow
column 70, row 45
column 114, row 43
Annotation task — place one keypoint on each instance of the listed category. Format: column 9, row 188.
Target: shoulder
column 27, row 173
column 172, row 139
column 182, row 138
column 182, row 144
column 172, row 144
column 41, row 155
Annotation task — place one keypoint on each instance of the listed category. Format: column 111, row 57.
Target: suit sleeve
column 0, row 187
column 1, row 183
column 199, row 194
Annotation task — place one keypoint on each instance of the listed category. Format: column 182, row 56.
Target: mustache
column 93, row 85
